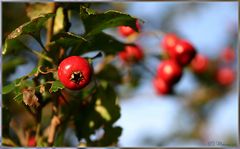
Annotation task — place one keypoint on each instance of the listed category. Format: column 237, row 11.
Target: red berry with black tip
column 169, row 41
column 200, row 63
column 183, row 52
column 74, row 72
column 131, row 54
column 127, row 30
column 225, row 76
column 161, row 87
column 169, row 71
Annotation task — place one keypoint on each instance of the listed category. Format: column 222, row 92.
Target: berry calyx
column 225, row 76
column 127, row 31
column 200, row 63
column 169, row 71
column 169, row 41
column 161, row 87
column 74, row 72
column 183, row 52
column 131, row 54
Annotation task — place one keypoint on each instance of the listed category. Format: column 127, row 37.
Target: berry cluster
column 180, row 53
column 225, row 75
column 220, row 71
column 75, row 72
column 131, row 53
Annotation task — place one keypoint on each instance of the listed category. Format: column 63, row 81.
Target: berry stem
column 146, row 68
column 157, row 33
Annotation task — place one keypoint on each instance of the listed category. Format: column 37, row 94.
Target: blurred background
column 190, row 117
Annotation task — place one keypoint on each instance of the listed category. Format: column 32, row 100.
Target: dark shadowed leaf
column 8, row 88
column 13, row 46
column 110, row 137
column 95, row 23
column 106, row 43
column 103, row 110
column 18, row 98
column 107, row 104
column 32, row 27
column 67, row 39
column 110, row 73
column 101, row 41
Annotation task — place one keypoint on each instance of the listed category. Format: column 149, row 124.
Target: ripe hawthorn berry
column 32, row 141
column 228, row 55
column 131, row 54
column 127, row 31
column 225, row 76
column 183, row 52
column 200, row 63
column 169, row 71
column 169, row 41
column 74, row 72
column 161, row 87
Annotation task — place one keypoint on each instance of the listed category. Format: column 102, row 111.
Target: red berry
column 127, row 31
column 228, row 55
column 169, row 71
column 32, row 141
column 183, row 52
column 199, row 64
column 169, row 41
column 131, row 54
column 74, row 72
column 161, row 87
column 225, row 76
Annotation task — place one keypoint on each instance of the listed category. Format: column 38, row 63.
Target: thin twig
column 64, row 99
column 55, row 122
column 147, row 68
column 50, row 26
column 30, row 111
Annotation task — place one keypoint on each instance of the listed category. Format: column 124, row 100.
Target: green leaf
column 8, row 88
column 18, row 98
column 85, row 11
column 32, row 27
column 106, row 43
column 18, row 82
column 110, row 74
column 68, row 39
column 103, row 110
column 101, row 41
column 107, row 100
column 110, row 137
column 95, row 23
column 13, row 46
column 56, row 85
